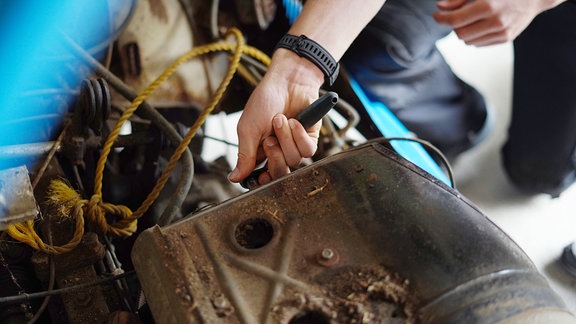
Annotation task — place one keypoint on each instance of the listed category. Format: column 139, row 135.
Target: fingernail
column 278, row 121
column 291, row 123
column 270, row 141
column 234, row 174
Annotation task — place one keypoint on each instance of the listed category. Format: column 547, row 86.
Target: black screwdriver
column 307, row 117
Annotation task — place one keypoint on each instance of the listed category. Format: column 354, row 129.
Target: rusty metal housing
column 362, row 236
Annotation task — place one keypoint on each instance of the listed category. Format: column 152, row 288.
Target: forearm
column 334, row 24
column 292, row 83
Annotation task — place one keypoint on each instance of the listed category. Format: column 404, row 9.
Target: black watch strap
column 314, row 52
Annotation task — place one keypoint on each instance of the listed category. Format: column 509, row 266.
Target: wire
column 26, row 297
column 55, row 147
column 436, row 151
column 220, row 140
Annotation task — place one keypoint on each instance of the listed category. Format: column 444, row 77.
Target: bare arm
column 291, row 84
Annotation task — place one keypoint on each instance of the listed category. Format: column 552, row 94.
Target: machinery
column 111, row 212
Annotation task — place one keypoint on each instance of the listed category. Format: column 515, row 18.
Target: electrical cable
column 26, row 297
column 436, row 151
column 256, row 64
column 220, row 140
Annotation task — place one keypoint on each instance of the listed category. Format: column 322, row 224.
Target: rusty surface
column 361, row 236
column 87, row 305
column 87, row 253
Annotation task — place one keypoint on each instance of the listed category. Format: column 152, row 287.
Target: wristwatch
column 314, row 52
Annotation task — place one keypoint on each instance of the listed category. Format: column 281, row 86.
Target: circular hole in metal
column 310, row 317
column 254, row 233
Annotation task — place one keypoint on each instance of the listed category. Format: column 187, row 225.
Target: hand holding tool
column 307, row 117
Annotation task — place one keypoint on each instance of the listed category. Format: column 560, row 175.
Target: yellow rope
column 68, row 201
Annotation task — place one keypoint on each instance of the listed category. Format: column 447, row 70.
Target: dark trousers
column 540, row 154
column 396, row 61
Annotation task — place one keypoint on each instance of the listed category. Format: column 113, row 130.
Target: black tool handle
column 307, row 117
column 313, row 113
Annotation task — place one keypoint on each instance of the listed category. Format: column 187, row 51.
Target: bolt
column 220, row 302
column 327, row 254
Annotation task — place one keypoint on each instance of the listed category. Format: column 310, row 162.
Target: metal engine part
column 17, row 203
column 362, row 236
column 157, row 35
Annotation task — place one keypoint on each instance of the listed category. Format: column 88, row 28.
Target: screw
column 327, row 254
column 220, row 302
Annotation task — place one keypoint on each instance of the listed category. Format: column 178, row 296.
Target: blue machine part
column 293, row 9
column 390, row 126
column 39, row 76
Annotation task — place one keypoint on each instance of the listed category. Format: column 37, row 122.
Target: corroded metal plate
column 362, row 236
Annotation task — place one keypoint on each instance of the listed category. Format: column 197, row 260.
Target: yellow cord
column 68, row 201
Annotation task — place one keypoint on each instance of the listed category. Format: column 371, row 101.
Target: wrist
column 313, row 52
column 287, row 66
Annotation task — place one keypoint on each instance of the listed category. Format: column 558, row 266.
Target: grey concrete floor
column 541, row 226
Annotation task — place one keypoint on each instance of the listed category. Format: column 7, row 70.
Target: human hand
column 266, row 127
column 488, row 22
